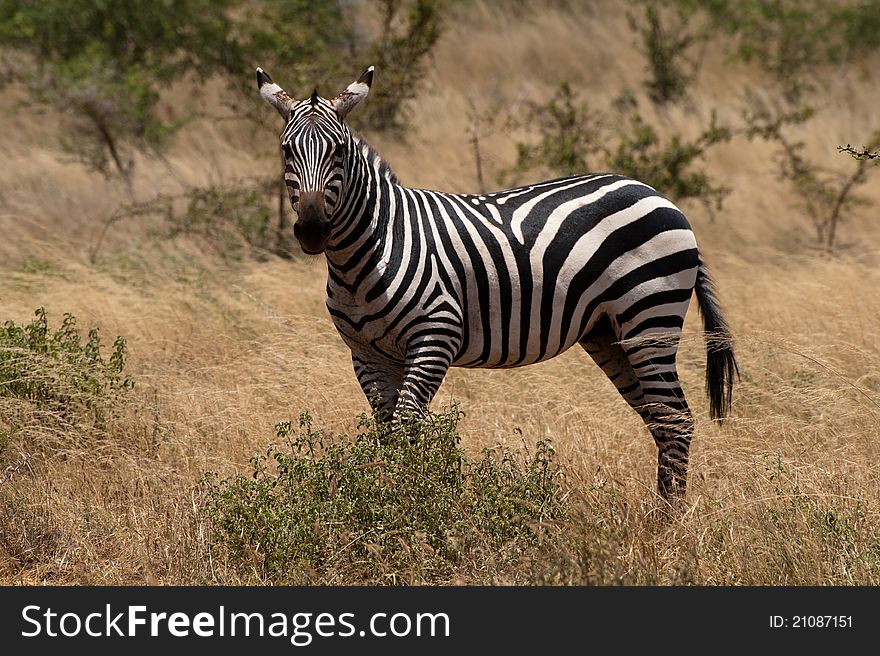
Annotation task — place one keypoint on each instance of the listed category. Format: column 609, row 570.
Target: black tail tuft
column 721, row 366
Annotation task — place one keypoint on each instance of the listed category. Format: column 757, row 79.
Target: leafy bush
column 393, row 505
column 665, row 47
column 57, row 370
column 233, row 219
column 305, row 43
column 575, row 139
column 669, row 166
column 827, row 196
column 400, row 54
column 103, row 64
column 793, row 39
column 230, row 217
column 571, row 133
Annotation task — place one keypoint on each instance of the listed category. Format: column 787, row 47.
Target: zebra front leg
column 381, row 383
column 426, row 365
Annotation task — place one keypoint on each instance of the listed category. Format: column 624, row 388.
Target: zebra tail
column 721, row 368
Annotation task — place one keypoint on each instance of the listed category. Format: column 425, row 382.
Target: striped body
column 419, row 280
column 515, row 277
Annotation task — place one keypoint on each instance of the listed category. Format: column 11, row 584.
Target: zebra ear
column 354, row 94
column 273, row 94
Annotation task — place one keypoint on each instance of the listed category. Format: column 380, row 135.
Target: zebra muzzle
column 312, row 228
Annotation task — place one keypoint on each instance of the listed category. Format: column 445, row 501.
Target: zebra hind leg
column 601, row 345
column 652, row 358
column 648, row 381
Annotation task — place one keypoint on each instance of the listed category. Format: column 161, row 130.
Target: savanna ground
column 224, row 347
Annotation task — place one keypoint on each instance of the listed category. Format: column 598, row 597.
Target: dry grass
column 786, row 491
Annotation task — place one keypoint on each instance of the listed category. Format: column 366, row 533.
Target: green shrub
column 669, row 166
column 571, row 133
column 401, row 53
column 232, row 219
column 402, row 505
column 793, row 40
column 665, row 41
column 575, row 139
column 56, row 370
column 827, row 196
column 103, row 65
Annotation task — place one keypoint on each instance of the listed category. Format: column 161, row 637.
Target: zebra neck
column 358, row 239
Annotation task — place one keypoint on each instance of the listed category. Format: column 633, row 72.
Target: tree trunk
column 124, row 170
column 857, row 178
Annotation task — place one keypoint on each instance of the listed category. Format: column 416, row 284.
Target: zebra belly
column 504, row 335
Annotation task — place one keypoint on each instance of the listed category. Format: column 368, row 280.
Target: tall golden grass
column 785, row 492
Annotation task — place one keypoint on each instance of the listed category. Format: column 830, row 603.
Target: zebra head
column 315, row 142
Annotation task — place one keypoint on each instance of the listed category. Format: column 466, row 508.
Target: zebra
column 420, row 281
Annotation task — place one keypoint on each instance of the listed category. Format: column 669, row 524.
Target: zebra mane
column 374, row 159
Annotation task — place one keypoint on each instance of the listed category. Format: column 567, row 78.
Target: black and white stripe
column 422, row 280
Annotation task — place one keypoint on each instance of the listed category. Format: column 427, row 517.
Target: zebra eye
column 339, row 151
